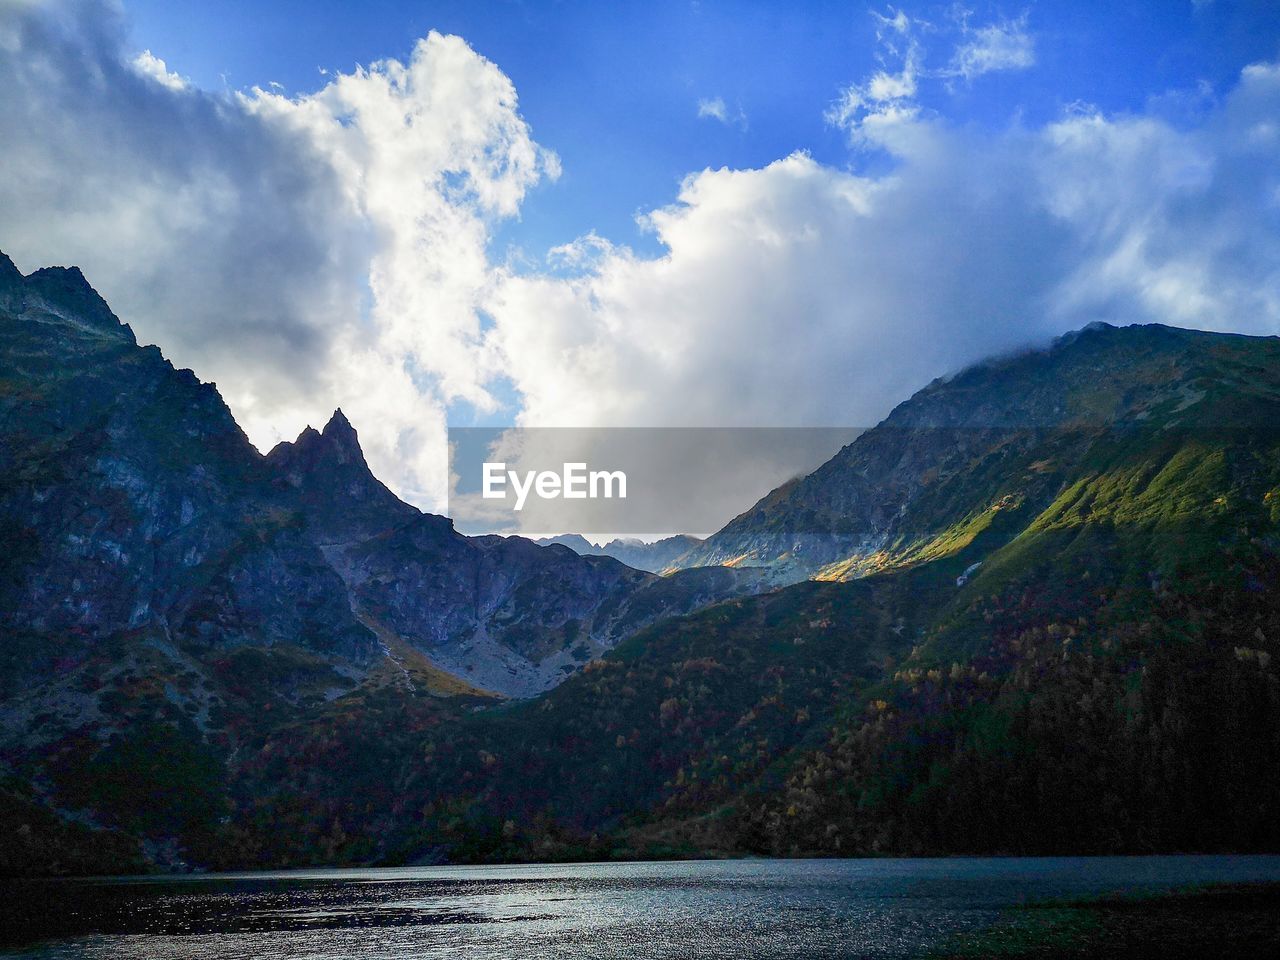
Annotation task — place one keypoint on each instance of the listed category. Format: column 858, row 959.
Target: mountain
column 1060, row 635
column 656, row 557
column 505, row 613
column 131, row 500
column 1047, row 620
column 500, row 612
column 986, row 448
column 167, row 593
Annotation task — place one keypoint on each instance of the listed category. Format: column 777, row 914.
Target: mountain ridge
column 658, row 556
column 821, row 526
column 317, row 493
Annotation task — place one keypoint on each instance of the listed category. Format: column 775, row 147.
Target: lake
column 742, row 908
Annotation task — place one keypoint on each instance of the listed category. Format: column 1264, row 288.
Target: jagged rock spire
column 329, row 470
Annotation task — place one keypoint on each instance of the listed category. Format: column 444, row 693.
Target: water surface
column 744, row 908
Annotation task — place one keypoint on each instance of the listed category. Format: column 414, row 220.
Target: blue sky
column 614, row 87
column 426, row 213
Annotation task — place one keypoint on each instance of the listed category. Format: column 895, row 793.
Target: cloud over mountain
column 333, row 248
column 804, row 294
column 305, row 251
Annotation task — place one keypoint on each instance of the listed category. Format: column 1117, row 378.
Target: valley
column 1033, row 612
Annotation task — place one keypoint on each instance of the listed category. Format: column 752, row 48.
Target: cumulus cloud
column 303, row 252
column 796, row 294
column 330, row 248
column 152, row 66
column 800, row 294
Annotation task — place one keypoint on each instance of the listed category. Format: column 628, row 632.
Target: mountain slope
column 1089, row 667
column 131, row 498
column 168, row 594
column 506, row 613
column 998, row 439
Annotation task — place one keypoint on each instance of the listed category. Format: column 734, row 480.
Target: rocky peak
column 65, row 288
column 342, row 439
column 341, row 496
column 9, row 273
column 62, row 292
column 337, row 445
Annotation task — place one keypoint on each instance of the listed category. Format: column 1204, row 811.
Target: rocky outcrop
column 326, row 473
column 132, row 499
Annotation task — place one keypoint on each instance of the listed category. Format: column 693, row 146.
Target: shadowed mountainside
column 1046, row 622
column 1067, row 645
column 164, row 587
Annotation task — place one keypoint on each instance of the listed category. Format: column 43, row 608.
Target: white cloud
column 1176, row 221
column 1005, row 45
column 303, row 252
column 876, row 109
column 792, row 295
column 152, row 66
column 714, row 108
column 330, row 249
column 804, row 294
column 885, row 100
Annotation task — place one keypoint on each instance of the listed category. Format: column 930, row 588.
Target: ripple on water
column 755, row 909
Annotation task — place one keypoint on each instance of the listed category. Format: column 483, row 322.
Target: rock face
column 133, row 501
column 505, row 613
column 168, row 594
column 502, row 613
column 326, row 474
column 937, row 468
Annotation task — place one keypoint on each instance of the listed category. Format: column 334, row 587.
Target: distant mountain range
column 657, row 556
column 1036, row 610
